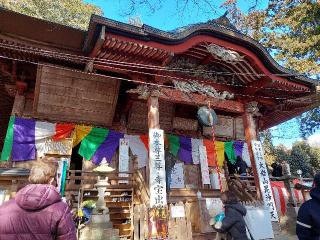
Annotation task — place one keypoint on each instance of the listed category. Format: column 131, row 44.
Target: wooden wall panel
column 71, row 96
column 192, row 176
column 224, row 127
column 239, row 129
column 138, row 116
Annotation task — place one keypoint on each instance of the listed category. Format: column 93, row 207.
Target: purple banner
column 107, row 148
column 23, row 147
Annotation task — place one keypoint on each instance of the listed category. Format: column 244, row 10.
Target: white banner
column 177, row 176
column 204, row 165
column 264, row 180
column 123, row 159
column 257, row 217
column 158, row 195
column 177, row 212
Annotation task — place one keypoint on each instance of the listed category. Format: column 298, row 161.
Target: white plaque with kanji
column 158, row 195
column 177, row 176
column 204, row 165
column 123, row 159
column 264, row 180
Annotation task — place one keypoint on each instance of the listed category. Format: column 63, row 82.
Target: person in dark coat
column 276, row 170
column 241, row 166
column 37, row 212
column 308, row 220
column 233, row 224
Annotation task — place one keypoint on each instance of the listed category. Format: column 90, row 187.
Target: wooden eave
column 289, row 109
column 38, row 31
column 114, row 49
column 181, row 41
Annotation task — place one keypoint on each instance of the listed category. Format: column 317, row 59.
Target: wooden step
column 119, row 216
column 204, row 236
column 124, row 229
column 118, row 211
column 126, row 236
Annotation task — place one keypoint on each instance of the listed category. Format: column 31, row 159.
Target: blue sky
column 166, row 18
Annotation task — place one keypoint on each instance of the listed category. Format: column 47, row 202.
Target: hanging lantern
column 207, row 117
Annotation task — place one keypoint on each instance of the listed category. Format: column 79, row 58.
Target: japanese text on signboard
column 158, row 196
column 264, row 180
column 123, row 159
column 204, row 165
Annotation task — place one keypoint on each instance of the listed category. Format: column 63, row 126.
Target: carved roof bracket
column 224, row 54
column 145, row 91
column 252, row 108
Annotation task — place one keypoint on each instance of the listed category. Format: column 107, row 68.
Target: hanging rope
column 214, row 147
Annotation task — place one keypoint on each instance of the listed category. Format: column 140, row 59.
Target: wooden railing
column 78, row 179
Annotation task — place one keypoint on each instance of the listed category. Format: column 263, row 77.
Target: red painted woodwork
column 189, row 43
column 251, row 134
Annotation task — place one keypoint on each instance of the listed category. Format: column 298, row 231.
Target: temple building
column 171, row 112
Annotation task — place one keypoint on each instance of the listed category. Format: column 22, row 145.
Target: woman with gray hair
column 37, row 212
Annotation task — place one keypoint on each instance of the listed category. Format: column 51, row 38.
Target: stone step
column 99, row 234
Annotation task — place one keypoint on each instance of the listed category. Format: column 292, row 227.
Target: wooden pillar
column 153, row 120
column 18, row 105
column 20, row 99
column 153, row 112
column 251, row 134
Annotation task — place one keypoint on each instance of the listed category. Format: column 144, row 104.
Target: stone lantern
column 100, row 226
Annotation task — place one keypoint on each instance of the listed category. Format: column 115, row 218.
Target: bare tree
column 183, row 7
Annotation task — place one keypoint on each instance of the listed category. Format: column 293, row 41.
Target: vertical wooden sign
column 123, row 159
column 204, row 165
column 264, row 180
column 177, row 176
column 158, row 195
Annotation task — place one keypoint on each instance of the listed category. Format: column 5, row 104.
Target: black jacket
column 241, row 167
column 233, row 223
column 308, row 221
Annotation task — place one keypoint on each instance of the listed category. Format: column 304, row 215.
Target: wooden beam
column 194, row 99
column 209, row 82
column 167, row 59
column 161, row 76
column 99, row 42
column 257, row 85
column 116, row 69
column 206, row 60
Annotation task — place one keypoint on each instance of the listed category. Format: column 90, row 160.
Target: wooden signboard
column 177, row 176
column 179, row 225
column 158, row 195
column 123, row 158
column 66, row 95
column 62, row 147
column 204, row 165
column 264, row 180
